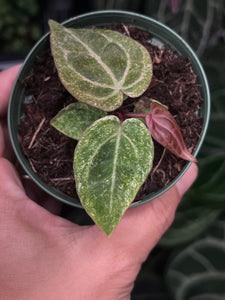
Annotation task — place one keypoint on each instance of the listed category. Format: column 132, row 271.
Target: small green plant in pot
column 101, row 69
column 114, row 155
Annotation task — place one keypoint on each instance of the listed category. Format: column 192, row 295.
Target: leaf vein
column 114, row 167
column 96, row 57
column 90, row 161
column 132, row 144
column 121, row 82
column 87, row 79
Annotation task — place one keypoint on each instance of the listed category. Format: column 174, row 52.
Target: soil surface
column 50, row 153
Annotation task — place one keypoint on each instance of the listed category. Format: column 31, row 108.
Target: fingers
column 7, row 78
column 12, row 189
column 159, row 213
column 13, row 194
column 148, row 222
column 8, row 175
column 6, row 149
column 42, row 198
column 10, row 184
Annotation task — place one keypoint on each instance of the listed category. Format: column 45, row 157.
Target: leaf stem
column 136, row 115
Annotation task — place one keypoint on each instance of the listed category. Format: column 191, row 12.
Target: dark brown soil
column 50, row 153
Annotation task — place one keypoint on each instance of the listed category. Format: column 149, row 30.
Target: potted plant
column 111, row 120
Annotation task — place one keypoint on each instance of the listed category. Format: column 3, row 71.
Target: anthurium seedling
column 114, row 156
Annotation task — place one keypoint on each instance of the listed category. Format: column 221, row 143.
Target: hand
column 44, row 256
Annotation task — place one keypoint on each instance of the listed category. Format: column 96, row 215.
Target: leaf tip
column 186, row 155
column 50, row 23
column 108, row 232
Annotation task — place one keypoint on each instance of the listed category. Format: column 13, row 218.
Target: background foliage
column 189, row 261
column 19, row 27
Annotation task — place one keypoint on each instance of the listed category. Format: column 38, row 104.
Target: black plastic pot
column 162, row 34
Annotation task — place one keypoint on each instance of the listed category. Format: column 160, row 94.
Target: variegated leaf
column 99, row 66
column 112, row 161
column 74, row 119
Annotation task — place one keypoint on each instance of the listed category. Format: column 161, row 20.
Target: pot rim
column 14, row 138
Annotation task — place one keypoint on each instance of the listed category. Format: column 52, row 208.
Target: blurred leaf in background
column 202, row 25
column 131, row 5
column 198, row 22
column 215, row 138
column 19, row 26
column 209, row 188
column 197, row 272
column 189, row 223
column 213, row 61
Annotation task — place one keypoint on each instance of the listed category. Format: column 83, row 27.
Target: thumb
column 187, row 180
column 10, row 184
column 141, row 227
column 7, row 78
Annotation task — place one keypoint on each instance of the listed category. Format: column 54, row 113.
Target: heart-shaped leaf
column 99, row 66
column 74, row 119
column 112, row 161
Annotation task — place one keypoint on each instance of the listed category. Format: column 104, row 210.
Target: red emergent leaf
column 166, row 132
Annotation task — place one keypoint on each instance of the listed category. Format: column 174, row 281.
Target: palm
column 47, row 247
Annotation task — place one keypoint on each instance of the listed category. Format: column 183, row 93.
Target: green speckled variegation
column 111, row 162
column 74, row 119
column 99, row 66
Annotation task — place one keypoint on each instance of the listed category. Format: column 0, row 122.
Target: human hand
column 44, row 256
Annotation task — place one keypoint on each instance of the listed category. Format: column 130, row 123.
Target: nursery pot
column 162, row 35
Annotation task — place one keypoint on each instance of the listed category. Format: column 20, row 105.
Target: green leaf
column 111, row 162
column 74, row 119
column 197, row 272
column 99, row 66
